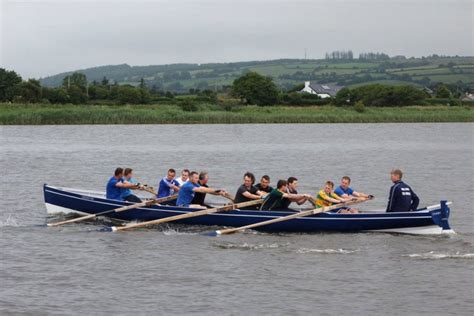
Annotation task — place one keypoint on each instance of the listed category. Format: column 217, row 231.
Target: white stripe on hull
column 54, row 209
column 424, row 230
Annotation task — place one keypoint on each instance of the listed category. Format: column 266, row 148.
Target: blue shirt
column 186, row 193
column 112, row 191
column 340, row 191
column 126, row 192
column 165, row 189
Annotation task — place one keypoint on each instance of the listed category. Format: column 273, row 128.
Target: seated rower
column 264, row 184
column 127, row 194
column 326, row 197
column 248, row 192
column 273, row 201
column 292, row 184
column 116, row 184
column 345, row 191
column 200, row 196
column 184, row 177
column 191, row 187
column 168, row 185
column 402, row 198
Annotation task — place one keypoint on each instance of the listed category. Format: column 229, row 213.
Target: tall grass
column 38, row 114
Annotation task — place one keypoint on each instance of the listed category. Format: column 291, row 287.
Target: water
column 78, row 269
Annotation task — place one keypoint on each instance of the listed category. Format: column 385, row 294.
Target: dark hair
column 118, row 171
column 266, row 178
column 281, row 183
column 192, row 173
column 330, row 183
column 346, row 178
column 171, row 170
column 292, row 179
column 202, row 175
column 186, row 170
column 398, row 172
column 127, row 171
column 250, row 175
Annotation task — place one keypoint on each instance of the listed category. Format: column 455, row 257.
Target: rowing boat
column 428, row 220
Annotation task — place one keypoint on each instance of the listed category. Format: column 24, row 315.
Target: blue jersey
column 340, row 191
column 126, row 192
column 114, row 192
column 402, row 198
column 186, row 193
column 164, row 188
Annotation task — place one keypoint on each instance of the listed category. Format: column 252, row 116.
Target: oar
column 149, row 190
column 117, row 210
column 229, row 207
column 286, row 218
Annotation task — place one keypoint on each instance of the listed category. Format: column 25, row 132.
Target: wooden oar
column 286, row 218
column 229, row 207
column 117, row 210
column 149, row 190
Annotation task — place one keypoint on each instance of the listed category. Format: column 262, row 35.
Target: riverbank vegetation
column 30, row 114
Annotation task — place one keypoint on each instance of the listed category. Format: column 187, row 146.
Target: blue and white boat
column 429, row 220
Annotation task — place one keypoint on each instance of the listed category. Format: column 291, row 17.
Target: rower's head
column 203, row 177
column 249, row 179
column 193, row 177
column 292, row 183
column 328, row 187
column 128, row 173
column 345, row 182
column 185, row 175
column 171, row 174
column 396, row 175
column 282, row 185
column 265, row 182
column 118, row 173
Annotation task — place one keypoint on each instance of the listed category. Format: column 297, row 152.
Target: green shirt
column 273, row 200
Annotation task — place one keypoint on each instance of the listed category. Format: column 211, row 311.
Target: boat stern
column 440, row 217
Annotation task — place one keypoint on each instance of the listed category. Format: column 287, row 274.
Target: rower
column 199, row 197
column 116, row 184
column 292, row 184
column 326, row 197
column 273, row 201
column 264, row 184
column 247, row 191
column 184, row 177
column 401, row 198
column 168, row 185
column 127, row 194
column 189, row 189
column 345, row 191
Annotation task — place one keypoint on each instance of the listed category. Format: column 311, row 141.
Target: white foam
column 9, row 222
column 327, row 251
column 434, row 255
column 247, row 246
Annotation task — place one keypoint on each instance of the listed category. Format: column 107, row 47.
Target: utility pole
column 305, row 54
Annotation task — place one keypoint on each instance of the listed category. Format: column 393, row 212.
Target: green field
column 38, row 114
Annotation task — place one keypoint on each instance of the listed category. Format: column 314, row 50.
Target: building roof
column 325, row 88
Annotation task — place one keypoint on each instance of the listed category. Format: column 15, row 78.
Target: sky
column 39, row 38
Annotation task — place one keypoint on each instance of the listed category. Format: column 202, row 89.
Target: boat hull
column 431, row 221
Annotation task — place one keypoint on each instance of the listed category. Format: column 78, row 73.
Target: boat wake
column 434, row 255
column 9, row 222
column 247, row 246
column 327, row 251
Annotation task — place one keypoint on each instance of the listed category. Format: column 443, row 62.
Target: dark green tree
column 253, row 88
column 442, row 92
column 77, row 95
column 105, row 81
column 8, row 80
column 77, row 79
column 55, row 95
column 29, row 91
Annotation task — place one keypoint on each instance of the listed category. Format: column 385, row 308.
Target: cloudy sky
column 41, row 38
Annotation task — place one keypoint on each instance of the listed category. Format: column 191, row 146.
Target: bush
column 359, row 107
column 188, row 105
column 253, row 88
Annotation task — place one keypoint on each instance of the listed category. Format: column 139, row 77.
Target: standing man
column 116, row 184
column 168, row 185
column 264, row 184
column 127, row 194
column 294, row 196
column 402, row 198
column 345, row 191
column 184, row 177
column 189, row 189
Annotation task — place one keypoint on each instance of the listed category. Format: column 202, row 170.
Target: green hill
column 425, row 71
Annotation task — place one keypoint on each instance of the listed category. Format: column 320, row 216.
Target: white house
column 322, row 90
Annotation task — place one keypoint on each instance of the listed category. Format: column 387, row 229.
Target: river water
column 79, row 269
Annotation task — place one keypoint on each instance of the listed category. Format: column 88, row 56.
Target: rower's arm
column 126, row 185
column 249, row 195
